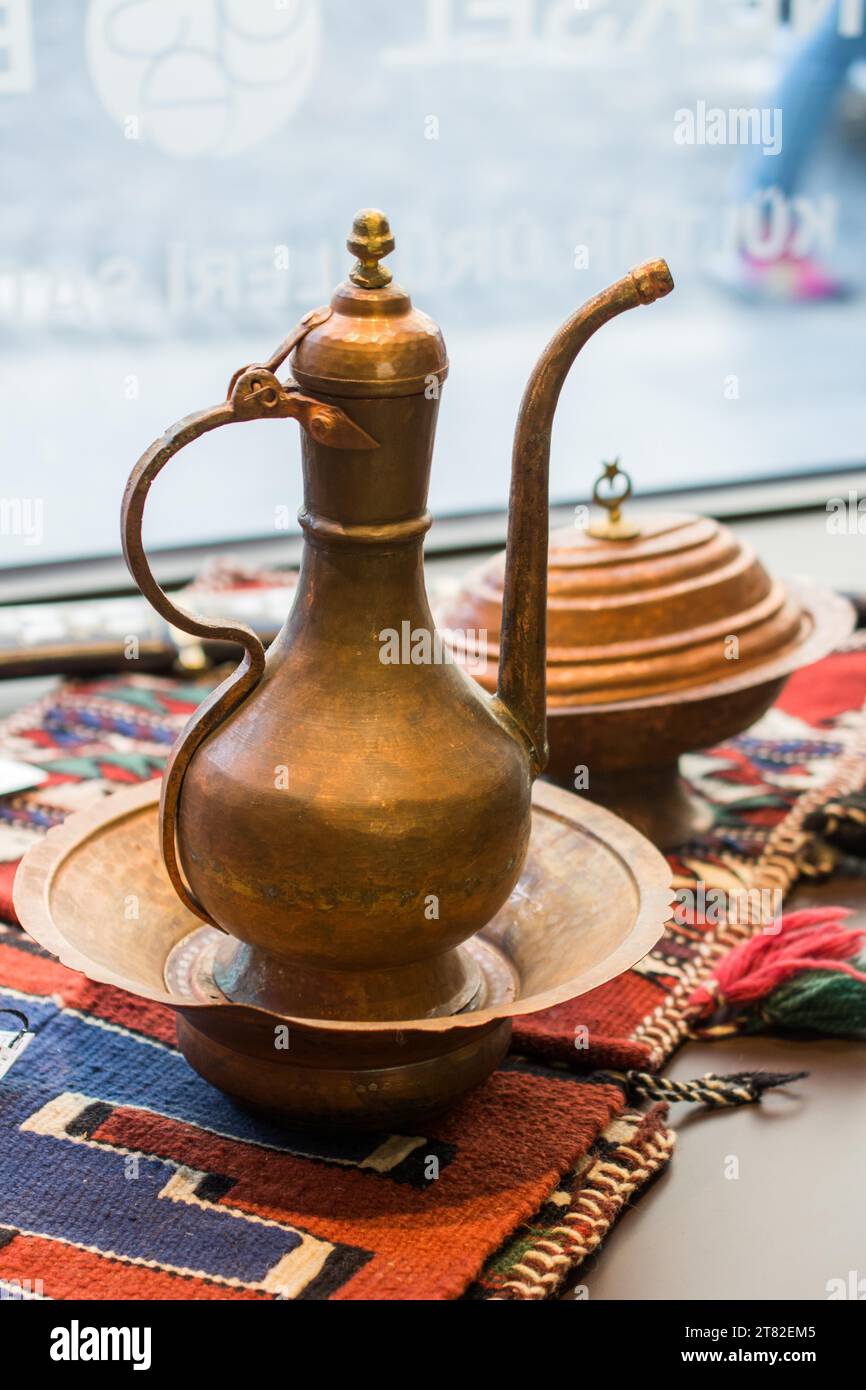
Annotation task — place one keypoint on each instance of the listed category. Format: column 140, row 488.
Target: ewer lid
column 374, row 343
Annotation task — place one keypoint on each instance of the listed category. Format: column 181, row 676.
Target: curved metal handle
column 523, row 639
column 254, row 394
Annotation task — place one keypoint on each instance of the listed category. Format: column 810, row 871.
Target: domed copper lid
column 637, row 613
column 374, row 343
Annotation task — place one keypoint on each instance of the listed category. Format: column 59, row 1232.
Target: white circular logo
column 202, row 77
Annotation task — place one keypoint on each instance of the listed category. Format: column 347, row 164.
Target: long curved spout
column 523, row 639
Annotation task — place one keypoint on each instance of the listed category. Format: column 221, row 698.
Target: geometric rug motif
column 124, row 1175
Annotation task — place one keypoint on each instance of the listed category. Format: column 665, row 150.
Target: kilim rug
column 123, row 1175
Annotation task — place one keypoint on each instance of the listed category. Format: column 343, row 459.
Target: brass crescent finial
column 613, row 528
column 371, row 239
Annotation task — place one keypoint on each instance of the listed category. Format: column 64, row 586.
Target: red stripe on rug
column 7, row 878
column 68, row 1272
column 833, row 687
column 36, row 974
column 608, row 1014
column 124, row 1010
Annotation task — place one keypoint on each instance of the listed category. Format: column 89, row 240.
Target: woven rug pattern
column 123, row 1175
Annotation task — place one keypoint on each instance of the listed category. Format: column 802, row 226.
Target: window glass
column 179, row 178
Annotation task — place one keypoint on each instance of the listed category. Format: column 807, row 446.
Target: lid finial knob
column 371, row 239
column 613, row 527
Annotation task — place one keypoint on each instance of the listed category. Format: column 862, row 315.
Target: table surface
column 795, row 1216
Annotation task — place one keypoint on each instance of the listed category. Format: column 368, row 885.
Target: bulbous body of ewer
column 351, row 808
column 360, row 815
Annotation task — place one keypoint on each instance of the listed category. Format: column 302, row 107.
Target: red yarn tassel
column 813, row 939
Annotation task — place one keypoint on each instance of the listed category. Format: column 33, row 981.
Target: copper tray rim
column 640, row 860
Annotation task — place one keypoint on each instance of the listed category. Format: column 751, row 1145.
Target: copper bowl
column 658, row 645
column 592, row 900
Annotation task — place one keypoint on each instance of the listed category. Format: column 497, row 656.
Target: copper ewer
column 349, row 822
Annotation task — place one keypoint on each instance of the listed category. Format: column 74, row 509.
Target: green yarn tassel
column 820, row 1001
